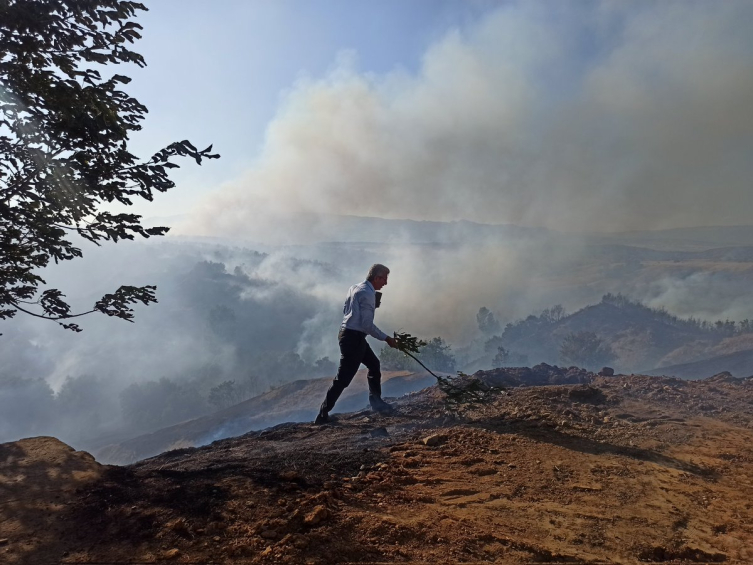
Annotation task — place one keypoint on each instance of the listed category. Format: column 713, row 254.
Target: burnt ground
column 619, row 469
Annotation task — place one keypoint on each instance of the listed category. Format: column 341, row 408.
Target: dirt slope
column 294, row 401
column 39, row 478
column 619, row 470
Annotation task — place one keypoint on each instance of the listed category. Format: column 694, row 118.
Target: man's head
column 378, row 276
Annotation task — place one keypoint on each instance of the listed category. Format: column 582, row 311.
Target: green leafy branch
column 462, row 390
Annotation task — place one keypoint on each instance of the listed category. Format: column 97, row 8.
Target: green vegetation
column 64, row 132
column 461, row 391
column 436, row 353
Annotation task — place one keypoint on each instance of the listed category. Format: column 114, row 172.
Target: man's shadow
column 545, row 434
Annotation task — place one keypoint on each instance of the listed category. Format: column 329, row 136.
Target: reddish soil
column 619, row 469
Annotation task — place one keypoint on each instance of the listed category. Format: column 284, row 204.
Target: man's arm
column 366, row 308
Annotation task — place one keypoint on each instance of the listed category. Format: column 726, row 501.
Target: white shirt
column 358, row 311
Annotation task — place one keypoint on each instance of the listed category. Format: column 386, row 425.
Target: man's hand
column 392, row 342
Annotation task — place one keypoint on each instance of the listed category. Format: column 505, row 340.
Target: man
column 358, row 322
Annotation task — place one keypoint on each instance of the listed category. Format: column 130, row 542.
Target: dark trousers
column 354, row 350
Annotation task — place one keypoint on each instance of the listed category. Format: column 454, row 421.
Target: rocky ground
column 579, row 468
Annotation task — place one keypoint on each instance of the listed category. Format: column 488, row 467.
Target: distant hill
column 689, row 239
column 621, row 253
column 640, row 336
column 314, row 228
column 320, row 228
column 739, row 364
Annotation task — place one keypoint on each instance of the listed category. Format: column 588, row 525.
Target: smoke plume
column 572, row 116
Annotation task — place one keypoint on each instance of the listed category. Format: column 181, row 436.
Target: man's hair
column 377, row 270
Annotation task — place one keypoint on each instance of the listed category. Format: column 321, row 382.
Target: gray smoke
column 603, row 116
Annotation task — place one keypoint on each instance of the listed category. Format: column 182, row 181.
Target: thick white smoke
column 569, row 115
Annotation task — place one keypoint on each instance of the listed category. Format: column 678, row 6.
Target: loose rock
column 318, row 515
column 290, row 475
column 379, row 432
column 436, row 439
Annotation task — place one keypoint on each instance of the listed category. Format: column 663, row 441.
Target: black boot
column 375, row 393
column 379, row 405
column 325, row 418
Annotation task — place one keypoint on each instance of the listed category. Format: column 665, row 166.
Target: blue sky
column 215, row 71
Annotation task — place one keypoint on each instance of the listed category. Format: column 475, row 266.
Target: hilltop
column 582, row 469
column 644, row 340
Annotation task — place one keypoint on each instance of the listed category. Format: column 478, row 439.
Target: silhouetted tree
column 223, row 395
column 493, row 343
column 486, row 321
column 554, row 314
column 502, row 357
column 435, row 354
column 64, row 131
column 393, row 360
column 586, row 349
